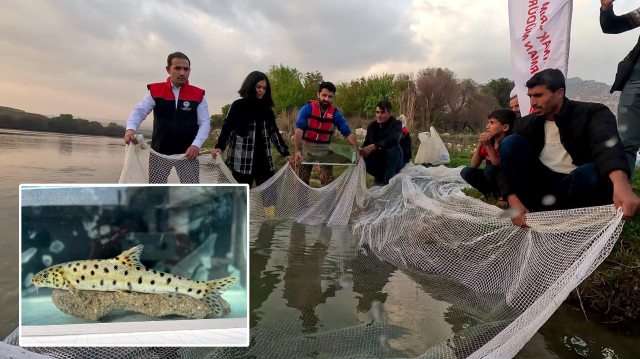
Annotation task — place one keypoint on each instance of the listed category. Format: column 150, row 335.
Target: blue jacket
column 338, row 120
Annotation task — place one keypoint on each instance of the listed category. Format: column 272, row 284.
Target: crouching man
column 567, row 154
column 381, row 147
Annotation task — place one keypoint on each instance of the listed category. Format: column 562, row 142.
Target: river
column 35, row 157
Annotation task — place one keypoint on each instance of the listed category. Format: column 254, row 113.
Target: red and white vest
column 319, row 129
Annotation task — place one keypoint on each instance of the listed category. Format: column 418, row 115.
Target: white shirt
column 553, row 154
column 145, row 107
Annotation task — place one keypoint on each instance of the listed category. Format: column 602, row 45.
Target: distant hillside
column 592, row 91
column 7, row 110
column 65, row 123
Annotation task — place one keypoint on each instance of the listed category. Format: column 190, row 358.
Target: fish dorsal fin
column 132, row 256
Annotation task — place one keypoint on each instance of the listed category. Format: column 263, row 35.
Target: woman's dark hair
column 505, row 117
column 248, row 88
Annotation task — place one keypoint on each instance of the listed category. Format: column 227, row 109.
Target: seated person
column 381, row 146
column 484, row 180
column 567, row 154
column 405, row 144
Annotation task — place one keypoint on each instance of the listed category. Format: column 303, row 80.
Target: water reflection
column 370, row 281
column 302, row 289
column 262, row 281
column 65, row 146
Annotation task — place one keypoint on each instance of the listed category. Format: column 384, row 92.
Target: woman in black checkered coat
column 249, row 130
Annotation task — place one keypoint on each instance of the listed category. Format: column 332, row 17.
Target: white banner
column 540, row 32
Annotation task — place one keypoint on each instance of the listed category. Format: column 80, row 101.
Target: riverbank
column 612, row 290
column 115, row 135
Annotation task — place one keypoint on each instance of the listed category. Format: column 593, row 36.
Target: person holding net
column 316, row 124
column 627, row 80
column 567, row 154
column 180, row 122
column 249, row 130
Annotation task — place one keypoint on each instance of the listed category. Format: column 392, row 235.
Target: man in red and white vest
column 317, row 122
column 180, row 122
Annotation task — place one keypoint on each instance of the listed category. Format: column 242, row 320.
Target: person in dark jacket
column 565, row 155
column 627, row 80
column 249, row 130
column 381, row 146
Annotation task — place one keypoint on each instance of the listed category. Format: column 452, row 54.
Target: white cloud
column 94, row 58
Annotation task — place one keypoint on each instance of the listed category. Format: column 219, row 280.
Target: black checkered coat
column 239, row 133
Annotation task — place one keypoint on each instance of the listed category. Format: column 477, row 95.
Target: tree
column 286, row 88
column 218, row 119
column 435, row 86
column 113, row 129
column 463, row 96
column 311, row 82
column 501, row 89
column 65, row 123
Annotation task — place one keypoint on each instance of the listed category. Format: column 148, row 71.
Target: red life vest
column 319, row 129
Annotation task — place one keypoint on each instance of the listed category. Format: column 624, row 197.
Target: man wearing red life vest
column 317, row 122
column 180, row 122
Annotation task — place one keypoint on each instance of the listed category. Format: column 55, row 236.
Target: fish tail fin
column 221, row 285
column 211, row 297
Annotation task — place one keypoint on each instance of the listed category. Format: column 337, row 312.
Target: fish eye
column 45, row 276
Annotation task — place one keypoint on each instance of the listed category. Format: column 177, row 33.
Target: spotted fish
column 125, row 273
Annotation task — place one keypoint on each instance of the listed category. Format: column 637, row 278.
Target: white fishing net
column 144, row 165
column 500, row 283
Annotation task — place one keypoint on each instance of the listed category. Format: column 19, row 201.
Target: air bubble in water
column 56, row 246
column 26, row 255
column 105, row 229
column 47, row 260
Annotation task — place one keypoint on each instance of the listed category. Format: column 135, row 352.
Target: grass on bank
column 614, row 287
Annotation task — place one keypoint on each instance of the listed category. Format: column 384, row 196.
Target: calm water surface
column 38, row 157
column 297, row 272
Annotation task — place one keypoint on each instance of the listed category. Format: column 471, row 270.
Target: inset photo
column 119, row 265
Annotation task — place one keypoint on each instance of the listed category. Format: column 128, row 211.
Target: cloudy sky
column 94, row 58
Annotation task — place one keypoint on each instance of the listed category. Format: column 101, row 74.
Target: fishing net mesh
column 503, row 281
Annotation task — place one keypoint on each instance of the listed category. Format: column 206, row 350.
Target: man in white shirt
column 565, row 155
column 180, row 122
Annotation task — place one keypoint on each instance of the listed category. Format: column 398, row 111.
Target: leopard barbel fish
column 125, row 273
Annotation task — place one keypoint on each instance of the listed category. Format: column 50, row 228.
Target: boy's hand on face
column 485, row 139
